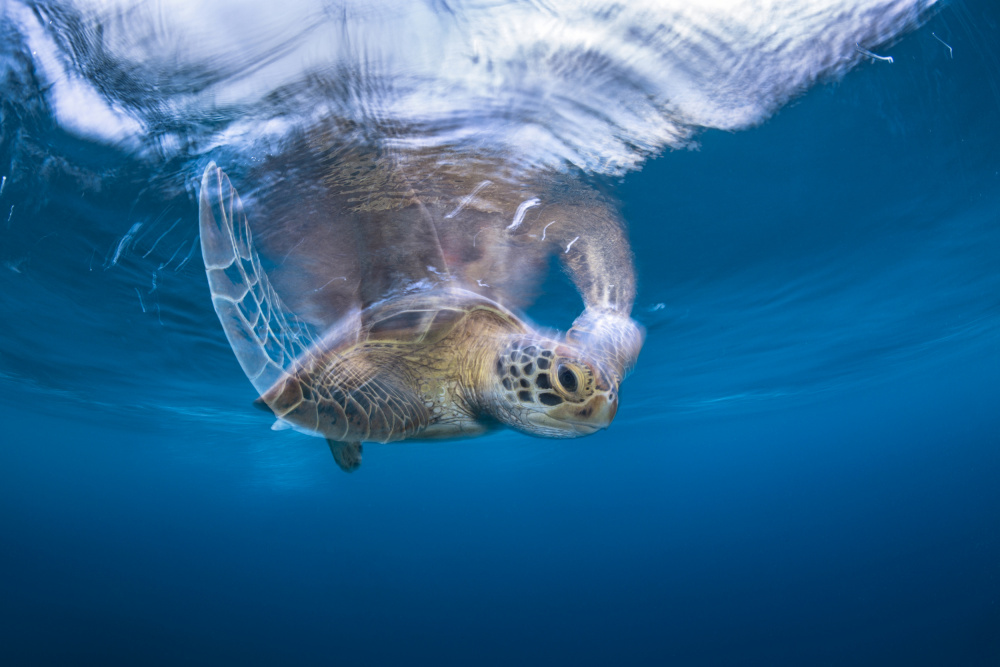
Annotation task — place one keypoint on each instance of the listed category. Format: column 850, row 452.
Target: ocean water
column 804, row 466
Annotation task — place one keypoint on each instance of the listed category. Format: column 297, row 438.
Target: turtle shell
column 427, row 317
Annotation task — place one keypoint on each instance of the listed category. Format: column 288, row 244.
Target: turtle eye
column 567, row 378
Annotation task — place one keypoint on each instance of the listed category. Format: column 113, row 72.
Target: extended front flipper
column 265, row 337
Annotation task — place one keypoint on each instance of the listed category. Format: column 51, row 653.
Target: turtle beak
column 599, row 411
column 610, row 408
column 594, row 415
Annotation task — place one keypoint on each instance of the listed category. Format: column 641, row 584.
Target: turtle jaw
column 573, row 421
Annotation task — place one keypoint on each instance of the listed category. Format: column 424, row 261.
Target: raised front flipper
column 592, row 244
column 265, row 337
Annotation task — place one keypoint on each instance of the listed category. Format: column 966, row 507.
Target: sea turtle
column 420, row 339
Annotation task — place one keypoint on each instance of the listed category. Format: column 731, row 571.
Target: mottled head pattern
column 551, row 389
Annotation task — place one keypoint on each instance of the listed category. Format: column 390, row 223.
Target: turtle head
column 547, row 388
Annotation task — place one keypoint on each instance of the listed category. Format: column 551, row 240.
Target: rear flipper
column 346, row 454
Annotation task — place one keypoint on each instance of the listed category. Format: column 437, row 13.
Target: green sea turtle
column 413, row 291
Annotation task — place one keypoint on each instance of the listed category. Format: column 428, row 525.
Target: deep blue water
column 804, row 469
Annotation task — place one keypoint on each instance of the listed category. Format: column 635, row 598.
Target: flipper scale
column 265, row 337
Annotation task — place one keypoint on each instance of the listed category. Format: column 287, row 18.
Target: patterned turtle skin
column 436, row 360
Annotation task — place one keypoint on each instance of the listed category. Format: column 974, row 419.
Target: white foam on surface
column 596, row 84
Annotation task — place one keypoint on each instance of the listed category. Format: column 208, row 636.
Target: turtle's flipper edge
column 265, row 337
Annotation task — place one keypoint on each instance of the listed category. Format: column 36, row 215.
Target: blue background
column 803, row 470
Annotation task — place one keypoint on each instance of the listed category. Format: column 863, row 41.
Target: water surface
column 803, row 469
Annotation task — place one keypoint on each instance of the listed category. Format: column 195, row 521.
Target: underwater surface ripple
column 804, row 466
